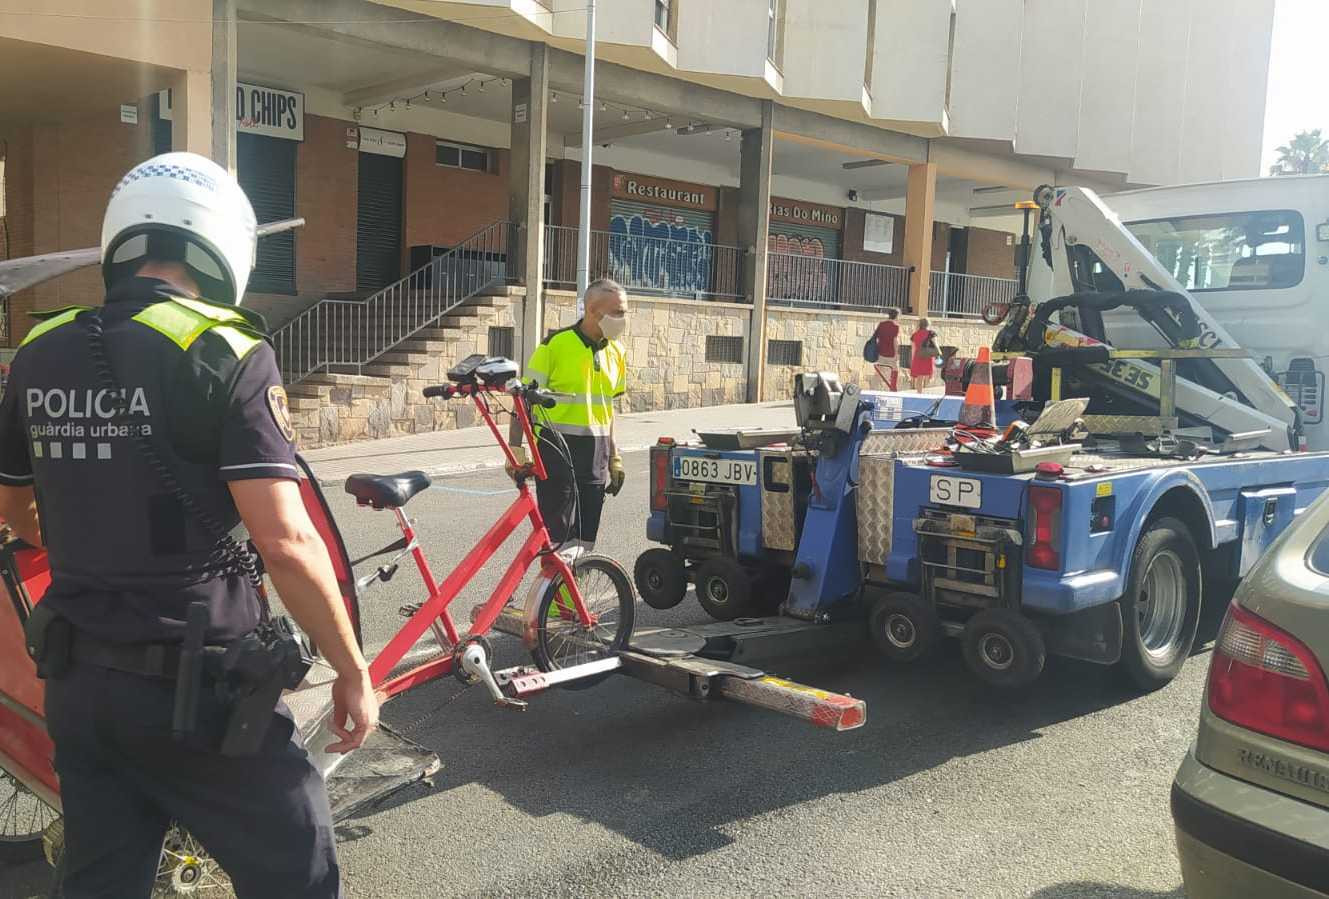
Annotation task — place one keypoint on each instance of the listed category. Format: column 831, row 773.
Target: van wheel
column 903, row 627
column 724, row 589
column 661, row 579
column 1161, row 606
column 1004, row 648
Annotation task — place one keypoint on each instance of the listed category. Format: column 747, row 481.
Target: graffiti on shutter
column 661, row 249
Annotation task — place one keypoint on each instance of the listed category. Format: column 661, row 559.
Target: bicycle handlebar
column 533, row 394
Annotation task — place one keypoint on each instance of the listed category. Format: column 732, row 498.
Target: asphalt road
column 625, row 790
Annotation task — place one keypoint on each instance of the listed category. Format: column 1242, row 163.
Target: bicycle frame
column 435, row 609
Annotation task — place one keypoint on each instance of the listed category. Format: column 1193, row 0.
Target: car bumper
column 1235, row 839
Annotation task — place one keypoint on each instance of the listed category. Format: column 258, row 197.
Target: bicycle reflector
column 660, row 475
column 1264, row 679
column 1045, row 524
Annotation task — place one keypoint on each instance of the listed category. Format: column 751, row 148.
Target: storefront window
column 774, row 29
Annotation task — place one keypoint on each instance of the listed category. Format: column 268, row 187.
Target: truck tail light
column 1045, row 524
column 660, row 476
column 1264, row 679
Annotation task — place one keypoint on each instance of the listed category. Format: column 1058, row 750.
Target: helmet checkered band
column 160, row 170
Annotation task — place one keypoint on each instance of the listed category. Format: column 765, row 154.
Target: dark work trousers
column 123, row 779
column 570, row 506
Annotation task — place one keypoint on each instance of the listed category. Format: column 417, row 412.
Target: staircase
column 355, row 369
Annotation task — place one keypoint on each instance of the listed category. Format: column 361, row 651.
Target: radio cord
column 228, row 556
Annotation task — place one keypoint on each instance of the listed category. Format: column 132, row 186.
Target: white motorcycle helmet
column 182, row 207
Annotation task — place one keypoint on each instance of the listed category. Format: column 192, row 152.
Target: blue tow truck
column 1086, row 525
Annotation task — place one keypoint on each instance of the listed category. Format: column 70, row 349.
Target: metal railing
column 349, row 334
column 965, row 296
column 814, row 281
column 647, row 264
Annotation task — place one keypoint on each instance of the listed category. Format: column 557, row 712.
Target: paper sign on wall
column 879, row 233
column 128, row 114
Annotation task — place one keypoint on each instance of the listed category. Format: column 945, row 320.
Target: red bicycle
column 582, row 608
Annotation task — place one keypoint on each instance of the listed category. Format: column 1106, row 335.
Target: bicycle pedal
column 410, row 609
column 512, row 705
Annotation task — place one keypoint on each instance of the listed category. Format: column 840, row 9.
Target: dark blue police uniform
column 127, row 561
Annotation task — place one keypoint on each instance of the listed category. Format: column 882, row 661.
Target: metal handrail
column 960, row 295
column 796, row 280
column 349, row 334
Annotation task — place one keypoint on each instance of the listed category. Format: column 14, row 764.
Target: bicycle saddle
column 386, row 491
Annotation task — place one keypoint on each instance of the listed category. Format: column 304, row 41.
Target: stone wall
column 833, row 341
column 667, row 358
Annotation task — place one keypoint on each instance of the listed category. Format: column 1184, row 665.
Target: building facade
column 818, row 156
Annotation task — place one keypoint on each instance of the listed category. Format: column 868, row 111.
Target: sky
column 1298, row 89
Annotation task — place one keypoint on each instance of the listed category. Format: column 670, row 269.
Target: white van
column 1255, row 254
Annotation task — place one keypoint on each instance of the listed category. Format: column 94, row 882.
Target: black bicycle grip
column 539, row 397
column 438, row 390
column 189, row 677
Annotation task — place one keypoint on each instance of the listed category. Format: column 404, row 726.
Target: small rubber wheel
column 903, row 627
column 724, row 589
column 562, row 641
column 661, row 579
column 1004, row 648
column 1161, row 606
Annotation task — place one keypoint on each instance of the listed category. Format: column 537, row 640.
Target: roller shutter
column 682, row 266
column 378, row 242
column 806, row 237
column 265, row 168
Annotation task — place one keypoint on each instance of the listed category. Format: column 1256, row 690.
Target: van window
column 1228, row 251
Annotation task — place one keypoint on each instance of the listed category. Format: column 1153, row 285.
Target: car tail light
column 660, row 477
column 1045, row 525
column 1264, row 679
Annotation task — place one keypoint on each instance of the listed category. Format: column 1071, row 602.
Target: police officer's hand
column 523, row 465
column 353, row 703
column 616, row 475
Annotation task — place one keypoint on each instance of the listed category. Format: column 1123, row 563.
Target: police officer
column 586, row 364
column 129, row 551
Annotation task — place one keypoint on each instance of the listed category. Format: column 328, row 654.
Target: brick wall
column 989, row 254
column 58, row 178
column 444, row 206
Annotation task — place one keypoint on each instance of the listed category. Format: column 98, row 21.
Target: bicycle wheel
column 23, row 820
column 561, row 639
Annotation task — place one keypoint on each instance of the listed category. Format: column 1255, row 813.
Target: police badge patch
column 281, row 411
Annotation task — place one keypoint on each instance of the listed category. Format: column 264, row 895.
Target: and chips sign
column 269, row 111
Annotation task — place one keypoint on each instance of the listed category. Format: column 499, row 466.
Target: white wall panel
column 985, row 71
column 723, row 38
column 1204, row 125
column 1051, row 73
column 1251, row 27
column 1107, row 98
column 912, row 55
column 825, row 49
column 1160, row 94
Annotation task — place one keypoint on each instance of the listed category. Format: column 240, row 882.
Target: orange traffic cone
column 978, row 412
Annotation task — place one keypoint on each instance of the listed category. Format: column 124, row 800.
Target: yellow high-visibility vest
column 591, row 374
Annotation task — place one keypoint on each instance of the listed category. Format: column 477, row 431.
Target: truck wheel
column 724, row 589
column 1161, row 606
column 903, row 627
column 661, row 579
column 1004, row 648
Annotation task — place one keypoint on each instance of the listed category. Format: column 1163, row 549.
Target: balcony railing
column 796, row 280
column 644, row 264
column 965, row 296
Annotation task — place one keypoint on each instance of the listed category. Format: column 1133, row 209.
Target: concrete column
column 918, row 220
column 223, row 84
column 754, row 220
column 191, row 112
column 526, row 190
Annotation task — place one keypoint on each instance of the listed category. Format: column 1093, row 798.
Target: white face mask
column 613, row 326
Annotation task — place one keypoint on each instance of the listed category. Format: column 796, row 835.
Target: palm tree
column 1306, row 154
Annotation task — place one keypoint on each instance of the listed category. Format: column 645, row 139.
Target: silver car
column 1251, row 800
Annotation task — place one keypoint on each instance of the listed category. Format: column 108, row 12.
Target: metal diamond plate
column 778, row 528
column 903, row 440
column 1145, row 425
column 876, row 489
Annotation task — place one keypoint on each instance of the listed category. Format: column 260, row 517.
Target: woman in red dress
column 921, row 365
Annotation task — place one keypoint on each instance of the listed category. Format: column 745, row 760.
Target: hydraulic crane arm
column 1084, row 249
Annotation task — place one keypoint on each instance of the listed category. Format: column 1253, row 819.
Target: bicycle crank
column 471, row 664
